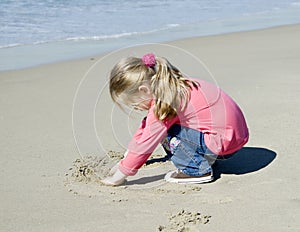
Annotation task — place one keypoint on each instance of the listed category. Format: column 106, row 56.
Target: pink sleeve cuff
column 132, row 162
column 127, row 171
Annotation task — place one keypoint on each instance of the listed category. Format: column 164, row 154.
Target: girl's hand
column 118, row 178
column 113, row 169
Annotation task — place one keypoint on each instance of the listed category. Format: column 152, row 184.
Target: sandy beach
column 60, row 132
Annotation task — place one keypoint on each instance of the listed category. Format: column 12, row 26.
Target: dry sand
column 51, row 183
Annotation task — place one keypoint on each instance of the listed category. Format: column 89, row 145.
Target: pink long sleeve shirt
column 209, row 110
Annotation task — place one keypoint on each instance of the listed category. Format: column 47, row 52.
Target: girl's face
column 141, row 100
column 141, row 103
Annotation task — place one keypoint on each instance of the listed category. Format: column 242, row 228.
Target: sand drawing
column 84, row 176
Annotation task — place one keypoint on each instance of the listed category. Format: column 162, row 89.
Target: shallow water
column 37, row 32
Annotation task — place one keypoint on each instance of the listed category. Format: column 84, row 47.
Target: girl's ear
column 144, row 89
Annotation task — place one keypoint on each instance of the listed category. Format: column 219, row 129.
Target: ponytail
column 170, row 88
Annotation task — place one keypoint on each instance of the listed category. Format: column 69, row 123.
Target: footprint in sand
column 185, row 221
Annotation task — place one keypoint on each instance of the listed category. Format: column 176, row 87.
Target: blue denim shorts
column 188, row 151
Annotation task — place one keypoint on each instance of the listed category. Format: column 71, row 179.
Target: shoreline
column 256, row 189
column 58, row 45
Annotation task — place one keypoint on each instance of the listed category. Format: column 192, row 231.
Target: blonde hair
column 170, row 88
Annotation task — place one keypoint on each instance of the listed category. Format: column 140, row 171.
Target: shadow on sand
column 246, row 160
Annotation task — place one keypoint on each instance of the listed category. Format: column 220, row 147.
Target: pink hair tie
column 149, row 60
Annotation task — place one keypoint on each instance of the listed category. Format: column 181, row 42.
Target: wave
column 95, row 38
column 11, row 45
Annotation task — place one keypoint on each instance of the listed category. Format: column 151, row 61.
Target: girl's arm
column 145, row 140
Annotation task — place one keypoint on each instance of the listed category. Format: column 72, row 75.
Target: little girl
column 194, row 120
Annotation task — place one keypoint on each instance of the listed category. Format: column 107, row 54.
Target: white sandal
column 178, row 176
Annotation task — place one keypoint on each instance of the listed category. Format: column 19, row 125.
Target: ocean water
column 34, row 32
